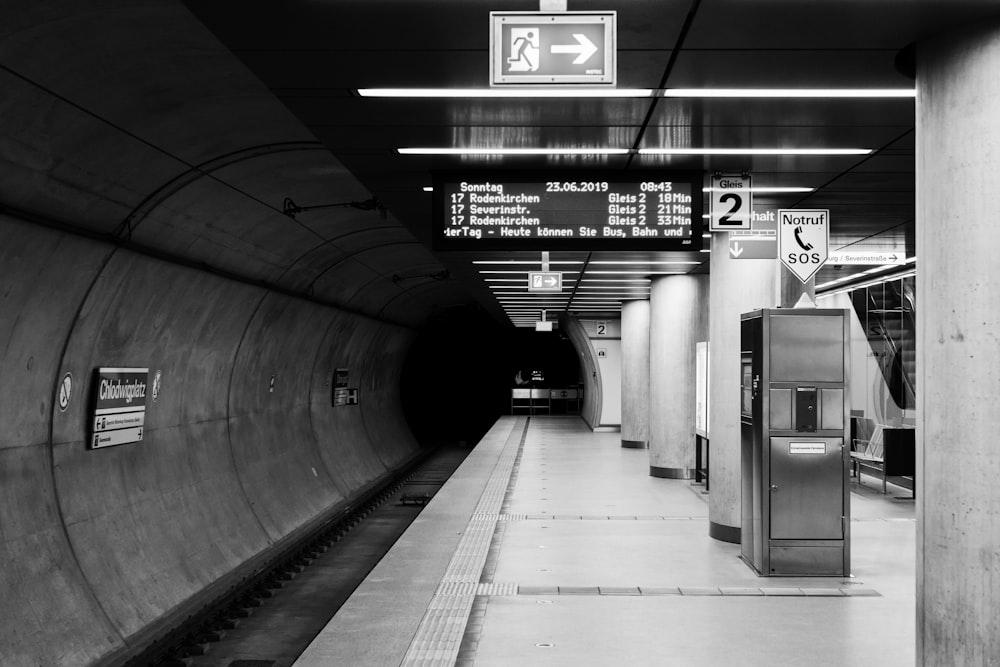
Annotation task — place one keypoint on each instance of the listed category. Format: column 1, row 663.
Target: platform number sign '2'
column 731, row 203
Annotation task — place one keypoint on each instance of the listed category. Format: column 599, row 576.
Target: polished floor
column 552, row 545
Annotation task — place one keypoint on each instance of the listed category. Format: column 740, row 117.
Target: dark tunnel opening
column 458, row 374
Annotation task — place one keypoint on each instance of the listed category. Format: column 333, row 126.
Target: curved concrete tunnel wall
column 103, row 545
column 143, row 171
column 590, row 410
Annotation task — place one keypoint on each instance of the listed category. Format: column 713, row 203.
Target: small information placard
column 815, row 447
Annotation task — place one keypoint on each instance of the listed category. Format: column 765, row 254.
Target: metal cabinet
column 794, row 442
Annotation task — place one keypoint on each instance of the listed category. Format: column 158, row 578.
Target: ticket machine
column 795, row 442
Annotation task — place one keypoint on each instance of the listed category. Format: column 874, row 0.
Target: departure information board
column 652, row 210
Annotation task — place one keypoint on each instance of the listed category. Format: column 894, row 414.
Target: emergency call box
column 795, row 442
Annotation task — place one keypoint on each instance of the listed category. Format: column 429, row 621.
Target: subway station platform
column 552, row 545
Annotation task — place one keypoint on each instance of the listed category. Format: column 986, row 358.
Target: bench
column 888, row 452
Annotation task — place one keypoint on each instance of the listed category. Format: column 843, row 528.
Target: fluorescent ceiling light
column 428, row 188
column 520, row 261
column 615, row 288
column 777, row 93
column 754, row 151
column 505, row 92
column 615, row 280
column 520, row 273
column 642, row 262
column 777, row 188
column 636, row 273
column 430, row 150
column 761, row 93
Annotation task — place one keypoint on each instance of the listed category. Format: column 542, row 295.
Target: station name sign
column 652, row 210
column 120, row 406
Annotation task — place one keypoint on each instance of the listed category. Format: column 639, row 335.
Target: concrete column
column 958, row 339
column 635, row 374
column 791, row 290
column 678, row 319
column 738, row 286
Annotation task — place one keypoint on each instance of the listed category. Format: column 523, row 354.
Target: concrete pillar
column 678, row 320
column 635, row 374
column 958, row 320
column 738, row 286
column 791, row 290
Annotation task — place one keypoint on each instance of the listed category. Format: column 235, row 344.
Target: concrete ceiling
column 206, row 113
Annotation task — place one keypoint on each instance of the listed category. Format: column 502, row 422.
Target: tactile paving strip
column 439, row 636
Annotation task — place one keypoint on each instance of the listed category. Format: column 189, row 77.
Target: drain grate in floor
column 252, row 663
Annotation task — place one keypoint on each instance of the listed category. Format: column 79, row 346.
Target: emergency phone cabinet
column 794, row 442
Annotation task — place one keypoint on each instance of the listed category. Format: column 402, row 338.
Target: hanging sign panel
column 732, row 203
column 610, row 210
column 803, row 240
column 552, row 49
column 120, row 407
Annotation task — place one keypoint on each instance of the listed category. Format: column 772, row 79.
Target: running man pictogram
column 524, row 50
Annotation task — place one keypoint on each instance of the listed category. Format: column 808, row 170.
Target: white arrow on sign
column 584, row 48
column 736, row 250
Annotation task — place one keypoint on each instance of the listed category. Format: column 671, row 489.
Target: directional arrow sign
column 551, row 49
column 584, row 48
column 753, row 244
column 880, row 257
column 544, row 281
column 803, row 240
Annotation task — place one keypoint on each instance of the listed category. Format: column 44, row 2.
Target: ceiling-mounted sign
column 731, row 202
column 753, row 244
column 545, row 281
column 567, row 210
column 803, row 240
column 120, row 407
column 551, row 49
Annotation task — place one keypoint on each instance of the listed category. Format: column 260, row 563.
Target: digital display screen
column 640, row 210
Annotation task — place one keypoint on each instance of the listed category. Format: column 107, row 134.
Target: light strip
column 640, row 262
column 764, row 189
column 431, row 150
column 754, row 93
column 521, row 261
column 636, row 273
column 519, row 273
column 614, row 280
column 505, row 92
column 784, row 93
column 754, row 151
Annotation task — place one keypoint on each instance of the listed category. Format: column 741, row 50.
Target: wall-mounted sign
column 552, row 49
column 120, row 406
column 340, row 391
column 803, row 240
column 732, row 205
column 701, row 385
column 609, row 210
column 352, row 396
column 65, row 391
